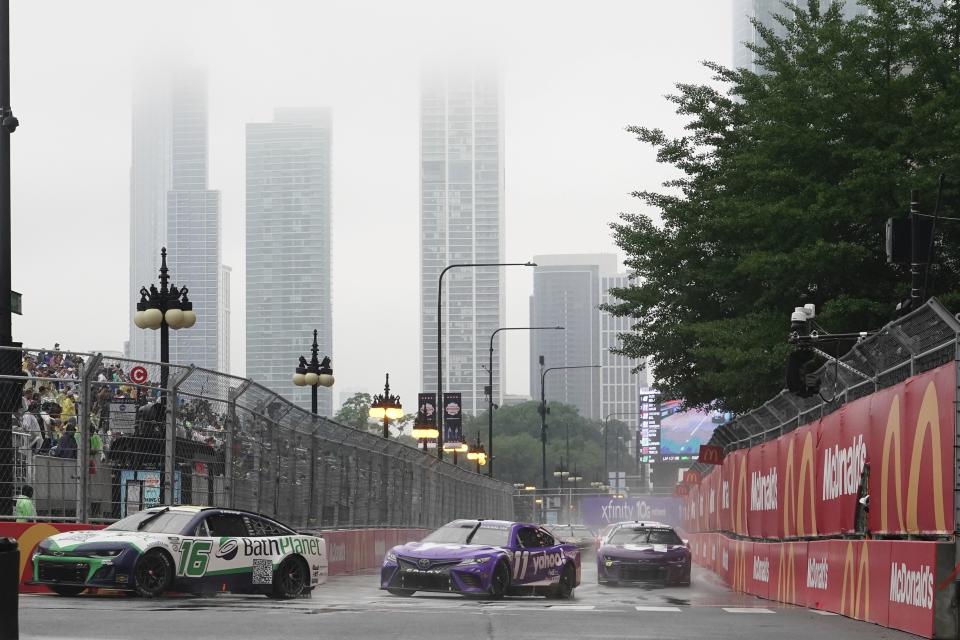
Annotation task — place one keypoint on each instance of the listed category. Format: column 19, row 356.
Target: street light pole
column 314, row 373
column 9, row 359
column 606, row 423
column 439, row 414
column 490, row 388
column 543, row 410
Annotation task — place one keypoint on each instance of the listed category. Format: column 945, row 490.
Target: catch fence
column 218, row 440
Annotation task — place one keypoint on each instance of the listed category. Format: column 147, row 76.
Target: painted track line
column 658, row 609
column 746, row 610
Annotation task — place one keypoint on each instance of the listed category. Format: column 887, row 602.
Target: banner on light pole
column 452, row 420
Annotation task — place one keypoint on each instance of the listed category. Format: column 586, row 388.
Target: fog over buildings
column 95, row 136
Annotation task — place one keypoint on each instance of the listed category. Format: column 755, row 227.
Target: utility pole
column 10, row 360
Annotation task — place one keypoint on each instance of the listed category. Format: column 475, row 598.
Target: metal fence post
column 170, row 450
column 83, row 434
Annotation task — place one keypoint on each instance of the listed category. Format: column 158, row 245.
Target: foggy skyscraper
column 461, row 221
column 170, row 205
column 567, row 291
column 288, row 248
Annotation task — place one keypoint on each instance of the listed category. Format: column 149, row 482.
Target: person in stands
column 67, row 445
column 24, row 510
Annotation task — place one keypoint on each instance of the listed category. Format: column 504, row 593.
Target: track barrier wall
column 786, row 519
column 348, row 551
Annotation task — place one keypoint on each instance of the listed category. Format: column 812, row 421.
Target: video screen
column 682, row 432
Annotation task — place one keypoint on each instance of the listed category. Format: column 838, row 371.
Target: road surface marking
column 659, row 609
column 746, row 610
column 572, row 607
column 824, row 613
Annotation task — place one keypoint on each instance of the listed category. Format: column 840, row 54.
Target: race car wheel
column 401, row 592
column 152, row 574
column 66, row 590
column 568, row 580
column 291, row 579
column 499, row 581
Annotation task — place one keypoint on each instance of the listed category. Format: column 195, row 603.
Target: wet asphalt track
column 353, row 607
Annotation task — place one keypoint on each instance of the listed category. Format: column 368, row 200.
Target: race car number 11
column 194, row 557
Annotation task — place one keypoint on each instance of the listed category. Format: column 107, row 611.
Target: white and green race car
column 185, row 549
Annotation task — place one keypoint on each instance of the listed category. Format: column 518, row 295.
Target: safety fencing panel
column 96, row 438
column 895, row 446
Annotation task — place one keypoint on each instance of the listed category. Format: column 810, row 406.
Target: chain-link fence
column 919, row 341
column 95, row 438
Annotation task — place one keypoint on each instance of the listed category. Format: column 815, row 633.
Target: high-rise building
column 568, row 291
column 288, row 248
column 461, row 221
column 225, row 274
column 765, row 11
column 170, row 205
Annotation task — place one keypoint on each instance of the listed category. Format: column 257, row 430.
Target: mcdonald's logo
column 927, row 420
column 739, row 581
column 859, row 591
column 691, row 477
column 710, row 454
column 740, row 504
column 795, row 491
column 786, row 577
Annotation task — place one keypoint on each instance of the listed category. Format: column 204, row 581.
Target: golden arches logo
column 859, row 591
column 739, row 566
column 740, row 504
column 786, row 577
column 794, row 491
column 927, row 420
column 30, row 538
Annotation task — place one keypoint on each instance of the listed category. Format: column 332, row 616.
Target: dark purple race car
column 643, row 552
column 488, row 558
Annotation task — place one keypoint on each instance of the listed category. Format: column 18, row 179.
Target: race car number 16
column 194, row 556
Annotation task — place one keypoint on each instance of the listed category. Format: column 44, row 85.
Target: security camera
column 10, row 123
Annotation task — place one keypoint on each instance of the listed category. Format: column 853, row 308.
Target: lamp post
column 439, row 414
column 316, row 372
column 165, row 308
column 387, row 407
column 490, row 385
column 606, row 422
column 574, row 478
column 560, row 472
column 479, row 455
column 543, row 410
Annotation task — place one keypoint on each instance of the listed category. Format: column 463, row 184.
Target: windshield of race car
column 470, row 533
column 645, row 536
column 153, row 522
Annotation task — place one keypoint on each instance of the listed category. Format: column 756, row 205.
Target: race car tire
column 499, row 581
column 153, row 574
column 405, row 593
column 66, row 589
column 564, row 588
column 291, row 579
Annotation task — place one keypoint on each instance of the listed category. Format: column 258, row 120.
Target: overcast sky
column 575, row 74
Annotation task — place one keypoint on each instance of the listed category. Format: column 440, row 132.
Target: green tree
column 355, row 411
column 518, row 451
column 784, row 181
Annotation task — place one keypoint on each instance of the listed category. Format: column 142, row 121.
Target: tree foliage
column 518, row 450
column 785, row 179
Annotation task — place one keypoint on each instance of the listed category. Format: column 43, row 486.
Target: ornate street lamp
column 165, row 308
column 386, row 407
column 314, row 373
column 478, row 454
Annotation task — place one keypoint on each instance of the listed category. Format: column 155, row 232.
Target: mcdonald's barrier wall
column 894, row 583
column 348, row 550
column 807, row 484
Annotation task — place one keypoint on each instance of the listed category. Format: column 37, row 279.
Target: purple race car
column 490, row 558
column 641, row 552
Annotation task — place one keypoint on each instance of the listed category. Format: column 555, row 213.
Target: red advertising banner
column 788, row 573
column 28, row 536
column 911, row 586
column 808, row 482
column 759, row 565
column 710, row 454
column 911, row 471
